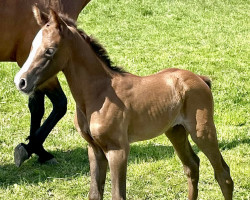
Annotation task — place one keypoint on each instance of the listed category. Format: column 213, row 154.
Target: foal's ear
column 41, row 17
column 55, row 20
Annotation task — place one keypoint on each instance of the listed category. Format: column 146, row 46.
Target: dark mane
column 103, row 55
column 69, row 21
column 96, row 46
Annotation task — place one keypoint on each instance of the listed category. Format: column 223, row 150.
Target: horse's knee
column 223, row 176
column 58, row 99
column 192, row 170
column 60, row 107
column 36, row 104
column 192, row 173
column 226, row 183
column 94, row 196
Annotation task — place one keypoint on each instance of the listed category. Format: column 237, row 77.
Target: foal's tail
column 206, row 80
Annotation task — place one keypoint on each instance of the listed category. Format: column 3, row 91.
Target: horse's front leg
column 118, row 159
column 98, row 169
column 38, row 134
column 36, row 107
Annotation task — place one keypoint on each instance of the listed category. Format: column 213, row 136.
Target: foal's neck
column 83, row 57
column 86, row 74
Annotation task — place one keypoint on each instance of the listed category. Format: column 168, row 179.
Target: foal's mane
column 95, row 45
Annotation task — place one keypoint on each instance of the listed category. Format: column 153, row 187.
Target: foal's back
column 155, row 103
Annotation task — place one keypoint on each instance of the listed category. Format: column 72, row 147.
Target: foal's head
column 47, row 56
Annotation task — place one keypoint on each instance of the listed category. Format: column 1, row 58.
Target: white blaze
column 35, row 45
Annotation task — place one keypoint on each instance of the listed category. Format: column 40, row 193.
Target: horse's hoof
column 52, row 161
column 20, row 155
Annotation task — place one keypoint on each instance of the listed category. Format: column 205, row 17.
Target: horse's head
column 47, row 57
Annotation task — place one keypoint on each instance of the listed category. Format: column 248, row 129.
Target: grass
column 207, row 37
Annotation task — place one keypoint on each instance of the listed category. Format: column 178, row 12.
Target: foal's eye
column 49, row 52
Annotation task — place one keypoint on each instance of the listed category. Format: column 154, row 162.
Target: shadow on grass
column 150, row 153
column 227, row 145
column 72, row 164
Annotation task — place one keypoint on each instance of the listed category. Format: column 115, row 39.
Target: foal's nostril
column 22, row 84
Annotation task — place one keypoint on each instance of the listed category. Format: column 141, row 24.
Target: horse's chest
column 107, row 122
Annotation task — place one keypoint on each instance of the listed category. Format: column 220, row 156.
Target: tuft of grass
column 207, row 37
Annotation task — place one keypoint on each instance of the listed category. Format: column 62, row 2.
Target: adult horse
column 17, row 30
column 116, row 108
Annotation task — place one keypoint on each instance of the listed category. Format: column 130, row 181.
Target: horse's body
column 17, row 30
column 115, row 108
column 18, row 27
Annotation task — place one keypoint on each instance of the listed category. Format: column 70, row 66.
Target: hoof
column 20, row 155
column 52, row 161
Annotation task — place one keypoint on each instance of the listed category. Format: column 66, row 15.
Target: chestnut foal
column 115, row 108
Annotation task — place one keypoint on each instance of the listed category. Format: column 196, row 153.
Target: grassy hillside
column 207, row 37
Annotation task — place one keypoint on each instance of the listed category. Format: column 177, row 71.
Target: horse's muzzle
column 22, row 84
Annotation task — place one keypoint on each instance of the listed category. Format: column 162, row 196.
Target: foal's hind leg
column 178, row 137
column 203, row 133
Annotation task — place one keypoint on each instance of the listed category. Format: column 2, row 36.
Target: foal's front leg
column 98, row 169
column 118, row 159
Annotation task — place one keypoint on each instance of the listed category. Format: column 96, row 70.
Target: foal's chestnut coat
column 115, row 108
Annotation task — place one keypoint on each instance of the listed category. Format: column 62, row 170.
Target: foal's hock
column 115, row 108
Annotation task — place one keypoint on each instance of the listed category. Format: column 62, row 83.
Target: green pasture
column 209, row 37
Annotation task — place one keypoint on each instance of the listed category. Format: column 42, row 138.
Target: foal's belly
column 146, row 128
column 141, row 136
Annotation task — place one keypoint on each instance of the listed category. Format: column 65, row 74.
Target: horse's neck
column 71, row 8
